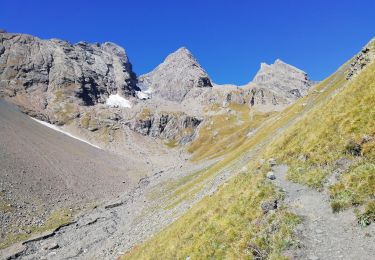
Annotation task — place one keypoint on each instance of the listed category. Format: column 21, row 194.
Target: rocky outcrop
column 283, row 79
column 361, row 60
column 274, row 87
column 48, row 77
column 165, row 125
column 176, row 77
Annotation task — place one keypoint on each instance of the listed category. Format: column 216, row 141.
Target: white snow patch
column 145, row 89
column 58, row 129
column 117, row 101
column 142, row 95
column 148, row 91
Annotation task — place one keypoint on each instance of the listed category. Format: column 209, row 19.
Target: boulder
column 271, row 175
column 353, row 148
column 267, row 206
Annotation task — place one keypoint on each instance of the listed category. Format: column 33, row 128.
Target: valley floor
column 109, row 230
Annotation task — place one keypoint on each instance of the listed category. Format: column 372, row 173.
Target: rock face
column 166, row 125
column 364, row 57
column 60, row 82
column 176, row 76
column 43, row 75
column 283, row 79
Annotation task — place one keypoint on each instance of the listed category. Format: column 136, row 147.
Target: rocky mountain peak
column 45, row 74
column 179, row 73
column 281, row 77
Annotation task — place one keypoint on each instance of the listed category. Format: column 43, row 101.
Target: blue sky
column 229, row 38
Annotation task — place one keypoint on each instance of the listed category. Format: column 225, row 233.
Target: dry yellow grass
column 309, row 135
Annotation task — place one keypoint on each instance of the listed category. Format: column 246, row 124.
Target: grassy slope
column 233, row 226
column 230, row 224
column 225, row 132
column 323, row 135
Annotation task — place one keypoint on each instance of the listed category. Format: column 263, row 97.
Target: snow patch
column 142, row 95
column 117, row 101
column 58, row 129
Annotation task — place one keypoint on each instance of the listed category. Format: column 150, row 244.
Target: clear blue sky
column 229, row 38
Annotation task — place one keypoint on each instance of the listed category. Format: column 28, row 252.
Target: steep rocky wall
column 48, row 77
column 166, row 125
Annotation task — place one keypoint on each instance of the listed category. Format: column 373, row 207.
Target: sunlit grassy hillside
column 341, row 129
column 226, row 131
column 310, row 136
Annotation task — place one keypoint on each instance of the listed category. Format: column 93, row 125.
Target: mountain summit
column 176, row 76
column 282, row 77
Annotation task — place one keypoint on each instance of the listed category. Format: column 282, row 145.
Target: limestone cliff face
column 47, row 76
column 166, row 125
column 283, row 79
column 274, row 87
column 176, row 76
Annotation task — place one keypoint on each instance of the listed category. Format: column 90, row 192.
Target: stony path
column 324, row 234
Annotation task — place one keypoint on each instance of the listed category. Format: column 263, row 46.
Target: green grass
column 56, row 219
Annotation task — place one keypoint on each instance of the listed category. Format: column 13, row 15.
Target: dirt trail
column 324, row 234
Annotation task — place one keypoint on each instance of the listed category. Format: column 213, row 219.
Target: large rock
column 176, row 76
column 48, row 77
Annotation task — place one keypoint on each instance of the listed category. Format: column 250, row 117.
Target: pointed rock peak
column 176, row 76
column 281, row 63
column 183, row 50
column 278, row 61
column 264, row 65
column 283, row 78
column 278, row 66
column 181, row 55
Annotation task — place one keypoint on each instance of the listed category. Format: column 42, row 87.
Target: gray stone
column 361, row 60
column 353, row 148
column 166, row 125
column 176, row 76
column 271, row 175
column 51, row 75
column 283, row 78
column 268, row 206
column 343, row 164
